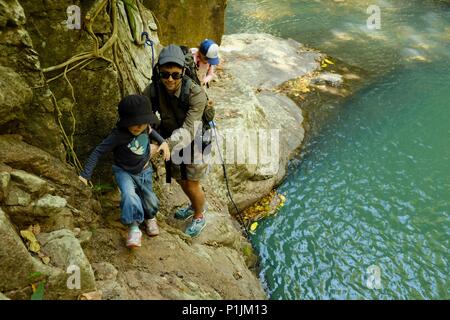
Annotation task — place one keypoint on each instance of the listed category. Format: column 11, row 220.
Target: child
column 130, row 144
column 206, row 57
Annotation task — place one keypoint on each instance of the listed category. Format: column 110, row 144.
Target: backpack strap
column 185, row 93
column 154, row 95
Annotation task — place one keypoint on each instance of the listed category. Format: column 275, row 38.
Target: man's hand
column 83, row 180
column 164, row 147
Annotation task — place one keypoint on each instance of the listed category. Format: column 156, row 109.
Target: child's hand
column 153, row 149
column 165, row 148
column 83, row 180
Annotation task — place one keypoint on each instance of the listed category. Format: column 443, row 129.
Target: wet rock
column 328, row 78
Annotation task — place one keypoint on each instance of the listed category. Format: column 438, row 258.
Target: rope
column 239, row 214
column 149, row 42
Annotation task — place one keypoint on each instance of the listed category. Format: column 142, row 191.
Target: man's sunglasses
column 166, row 75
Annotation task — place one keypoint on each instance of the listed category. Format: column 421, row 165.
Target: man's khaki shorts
column 194, row 172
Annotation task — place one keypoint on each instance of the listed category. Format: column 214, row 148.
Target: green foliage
column 100, row 187
column 39, row 292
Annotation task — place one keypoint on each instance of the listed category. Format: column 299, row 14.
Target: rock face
column 245, row 97
column 81, row 97
column 189, row 22
column 23, row 94
column 16, row 263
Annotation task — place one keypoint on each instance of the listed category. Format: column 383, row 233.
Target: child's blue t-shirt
column 131, row 153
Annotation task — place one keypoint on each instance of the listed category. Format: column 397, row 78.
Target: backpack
column 190, row 65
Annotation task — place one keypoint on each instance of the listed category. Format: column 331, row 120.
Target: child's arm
column 209, row 75
column 106, row 146
column 163, row 146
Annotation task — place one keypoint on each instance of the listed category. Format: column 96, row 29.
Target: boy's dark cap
column 136, row 109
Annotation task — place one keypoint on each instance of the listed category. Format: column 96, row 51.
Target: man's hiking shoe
column 196, row 226
column 184, row 213
column 151, row 227
column 134, row 238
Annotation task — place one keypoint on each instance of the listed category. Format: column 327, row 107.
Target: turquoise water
column 372, row 188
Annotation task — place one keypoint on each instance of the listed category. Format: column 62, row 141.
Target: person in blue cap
column 206, row 57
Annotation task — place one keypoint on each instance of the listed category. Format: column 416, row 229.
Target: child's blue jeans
column 138, row 201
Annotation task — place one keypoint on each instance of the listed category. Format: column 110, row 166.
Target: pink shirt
column 205, row 71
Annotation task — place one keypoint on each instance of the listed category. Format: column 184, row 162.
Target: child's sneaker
column 184, row 213
column 151, row 227
column 134, row 238
column 196, row 226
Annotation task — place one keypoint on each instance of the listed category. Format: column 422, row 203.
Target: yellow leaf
column 34, row 246
column 46, row 260
column 28, row 235
column 254, row 226
column 329, row 61
column 94, row 295
column 324, row 65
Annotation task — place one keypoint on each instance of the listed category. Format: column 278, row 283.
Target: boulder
column 5, row 177
column 16, row 264
column 3, row 297
column 266, row 126
column 49, row 203
column 265, row 61
column 66, row 253
column 17, row 197
column 104, row 271
column 29, row 182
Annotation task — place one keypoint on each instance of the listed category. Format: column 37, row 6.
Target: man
column 169, row 88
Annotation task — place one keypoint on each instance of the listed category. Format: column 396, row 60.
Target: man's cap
column 210, row 50
column 171, row 54
column 136, row 109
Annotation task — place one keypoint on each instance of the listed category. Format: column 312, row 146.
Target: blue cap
column 210, row 50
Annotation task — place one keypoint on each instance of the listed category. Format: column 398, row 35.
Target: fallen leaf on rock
column 32, row 243
column 253, row 226
column 94, row 295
